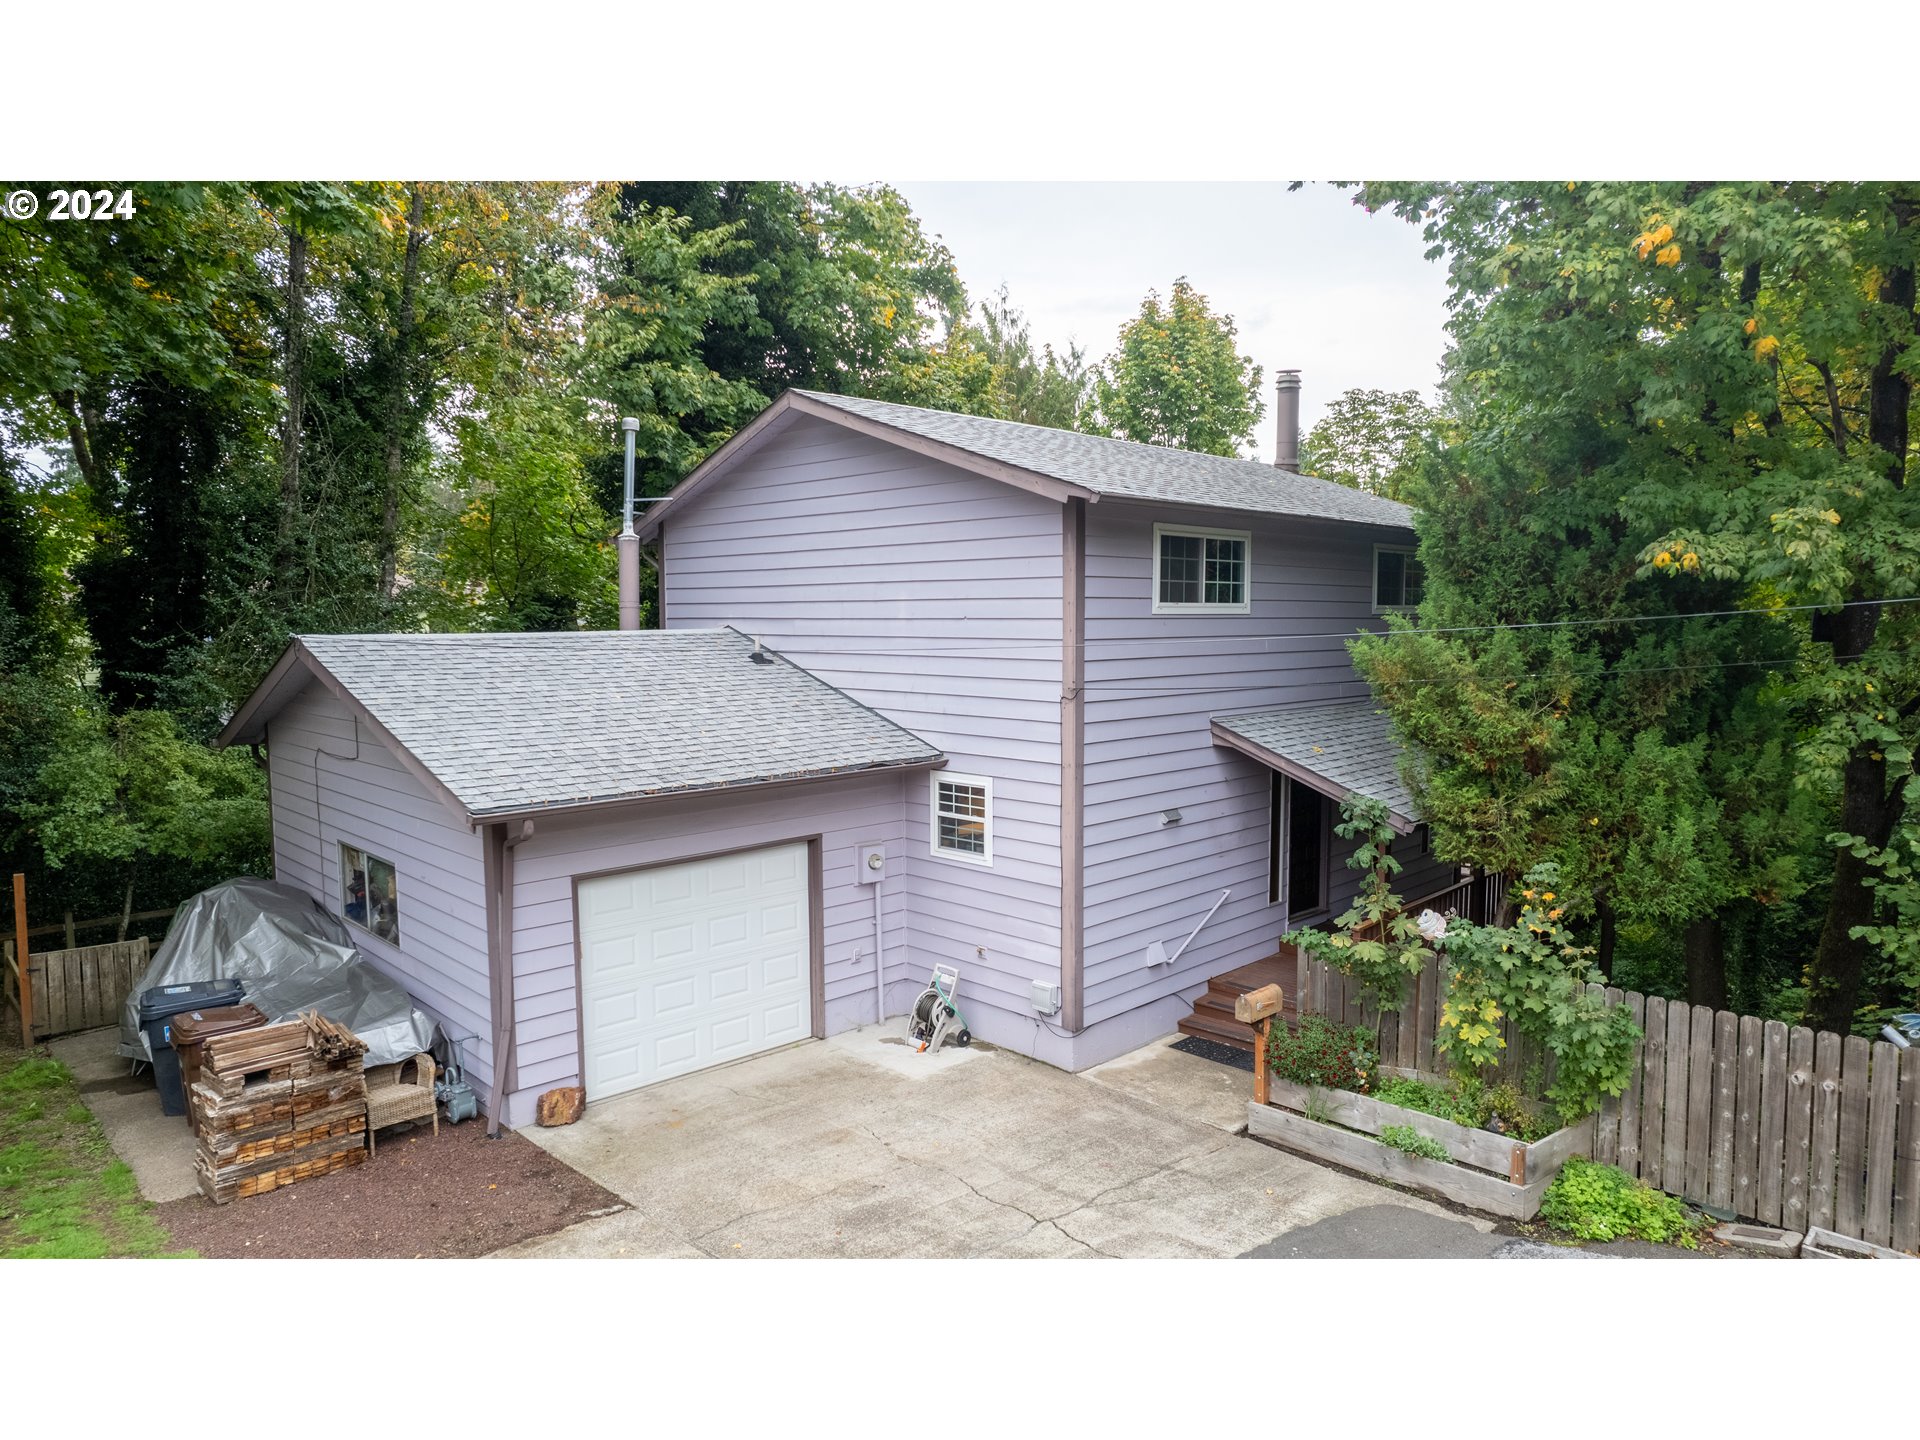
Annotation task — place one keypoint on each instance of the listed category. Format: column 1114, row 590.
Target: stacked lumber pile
column 279, row 1104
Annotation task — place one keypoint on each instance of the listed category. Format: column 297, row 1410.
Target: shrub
column 1419, row 1095
column 1405, row 1137
column 1591, row 1201
column 1376, row 944
column 1322, row 1053
column 1535, row 973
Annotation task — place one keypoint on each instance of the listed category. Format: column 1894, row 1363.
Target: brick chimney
column 1286, row 408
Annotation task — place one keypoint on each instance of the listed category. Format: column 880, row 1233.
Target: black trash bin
column 158, row 1006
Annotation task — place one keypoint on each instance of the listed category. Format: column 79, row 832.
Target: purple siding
column 1153, row 683
column 933, row 595
column 845, row 814
column 368, row 799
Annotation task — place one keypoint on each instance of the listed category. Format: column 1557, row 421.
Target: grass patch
column 63, row 1195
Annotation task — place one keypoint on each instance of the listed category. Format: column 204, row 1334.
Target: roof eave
column 622, row 802
column 1274, row 760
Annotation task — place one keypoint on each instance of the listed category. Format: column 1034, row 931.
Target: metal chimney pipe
column 1286, row 406
column 628, row 545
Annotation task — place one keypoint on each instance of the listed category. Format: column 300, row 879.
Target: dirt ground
column 455, row 1196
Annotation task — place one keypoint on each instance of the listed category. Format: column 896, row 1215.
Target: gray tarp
column 291, row 955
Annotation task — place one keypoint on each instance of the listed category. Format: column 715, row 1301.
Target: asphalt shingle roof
column 1345, row 742
column 515, row 721
column 1126, row 469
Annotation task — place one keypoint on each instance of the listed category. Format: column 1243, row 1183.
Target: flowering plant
column 1536, row 973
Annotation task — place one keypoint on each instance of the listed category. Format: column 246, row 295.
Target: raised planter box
column 1826, row 1245
column 1492, row 1172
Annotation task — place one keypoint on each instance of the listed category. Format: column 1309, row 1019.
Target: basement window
column 1399, row 579
column 963, row 818
column 370, row 893
column 1198, row 572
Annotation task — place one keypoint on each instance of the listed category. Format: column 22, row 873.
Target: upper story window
column 370, row 893
column 1200, row 571
column 963, row 817
column 1399, row 579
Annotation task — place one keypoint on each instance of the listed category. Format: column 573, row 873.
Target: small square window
column 1199, row 570
column 370, row 893
column 962, row 813
column 1399, row 579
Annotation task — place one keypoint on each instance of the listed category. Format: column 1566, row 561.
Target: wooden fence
column 1776, row 1124
column 69, row 990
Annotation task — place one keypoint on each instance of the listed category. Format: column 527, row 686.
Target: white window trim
column 1378, row 608
column 1245, row 537
column 340, row 848
column 934, row 778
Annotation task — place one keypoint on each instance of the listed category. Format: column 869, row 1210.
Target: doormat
column 1213, row 1050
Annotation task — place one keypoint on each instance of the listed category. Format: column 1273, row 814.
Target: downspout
column 1073, row 636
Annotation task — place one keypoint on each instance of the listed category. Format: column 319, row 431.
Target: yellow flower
column 1547, row 896
column 1690, row 560
column 1554, row 914
column 1593, row 820
column 1663, row 559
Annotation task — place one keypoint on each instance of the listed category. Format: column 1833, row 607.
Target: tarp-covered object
column 291, row 955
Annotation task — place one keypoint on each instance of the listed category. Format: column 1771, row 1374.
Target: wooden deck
column 1212, row 1017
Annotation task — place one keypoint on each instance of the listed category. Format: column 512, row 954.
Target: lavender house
column 931, row 688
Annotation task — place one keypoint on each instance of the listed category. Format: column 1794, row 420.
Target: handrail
column 1157, row 953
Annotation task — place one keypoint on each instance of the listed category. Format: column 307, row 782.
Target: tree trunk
column 399, row 384
column 126, row 912
column 1609, row 936
column 1706, row 963
column 80, row 438
column 1866, row 808
column 294, row 355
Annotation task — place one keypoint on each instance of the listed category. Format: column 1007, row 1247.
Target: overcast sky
column 1314, row 283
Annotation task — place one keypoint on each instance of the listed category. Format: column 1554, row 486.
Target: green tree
column 1035, row 387
column 1177, row 378
column 1705, row 393
column 1368, row 439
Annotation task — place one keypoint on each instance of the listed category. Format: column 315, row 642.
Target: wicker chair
column 392, row 1098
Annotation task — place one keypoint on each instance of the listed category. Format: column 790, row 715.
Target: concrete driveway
column 856, row 1146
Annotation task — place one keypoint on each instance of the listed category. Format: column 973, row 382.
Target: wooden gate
column 83, row 989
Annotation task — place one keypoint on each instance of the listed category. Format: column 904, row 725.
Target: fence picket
column 1653, row 1094
column 1606, row 1135
column 1799, row 1129
column 1849, row 1204
column 1423, row 1014
column 1882, row 1091
column 1699, row 1102
column 1826, row 1129
column 1773, row 1117
column 1746, row 1135
column 1673, row 1163
column 1906, row 1174
column 1726, row 1067
column 1629, row 1152
column 1405, row 1053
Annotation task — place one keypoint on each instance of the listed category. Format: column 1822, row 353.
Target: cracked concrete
column 836, row 1150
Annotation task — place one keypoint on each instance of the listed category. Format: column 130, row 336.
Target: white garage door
column 684, row 966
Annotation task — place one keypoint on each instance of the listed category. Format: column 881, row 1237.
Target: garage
column 693, row 964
